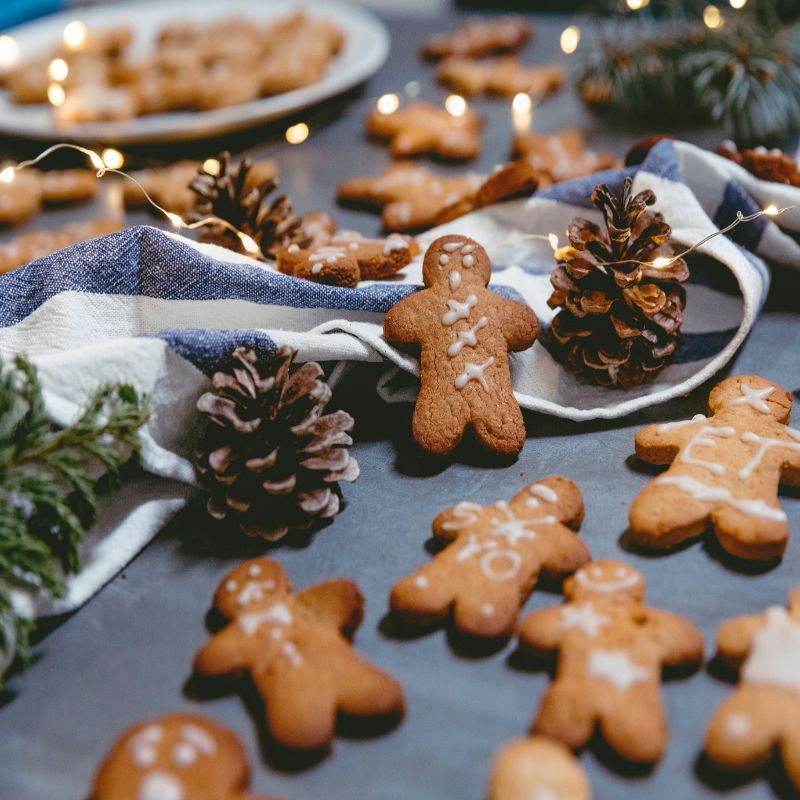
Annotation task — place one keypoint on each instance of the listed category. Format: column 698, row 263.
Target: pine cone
column 268, row 455
column 619, row 322
column 232, row 195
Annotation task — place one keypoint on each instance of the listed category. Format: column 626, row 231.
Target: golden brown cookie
column 476, row 37
column 409, row 196
column 610, row 649
column 504, row 76
column 493, row 559
column 724, row 472
column 28, row 83
column 295, row 649
column 762, row 716
column 463, row 332
column 96, row 104
column 536, row 768
column 68, row 185
column 22, row 198
column 177, row 756
column 421, row 128
column 561, row 156
column 767, row 165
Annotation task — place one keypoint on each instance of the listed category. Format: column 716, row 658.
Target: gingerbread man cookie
column 464, row 332
column 175, row 757
column 536, row 768
column 493, row 559
column 295, row 649
column 503, row 76
column 724, row 471
column 478, row 37
column 347, row 258
column 421, row 128
column 611, row 649
column 762, row 716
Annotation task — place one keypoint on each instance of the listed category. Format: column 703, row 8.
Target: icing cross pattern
column 458, row 310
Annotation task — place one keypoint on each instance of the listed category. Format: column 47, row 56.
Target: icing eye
column 597, row 572
column 231, row 586
column 621, row 572
column 254, row 570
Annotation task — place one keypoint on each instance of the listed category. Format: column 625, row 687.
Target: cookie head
column 751, row 394
column 456, row 254
column 605, row 579
column 252, row 586
column 175, row 757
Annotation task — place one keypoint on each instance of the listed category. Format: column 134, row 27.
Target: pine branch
column 49, row 485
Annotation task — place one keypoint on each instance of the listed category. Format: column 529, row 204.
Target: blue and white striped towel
column 158, row 311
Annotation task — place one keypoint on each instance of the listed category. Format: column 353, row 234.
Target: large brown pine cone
column 269, row 456
column 620, row 316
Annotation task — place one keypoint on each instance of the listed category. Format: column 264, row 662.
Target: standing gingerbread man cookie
column 464, row 332
column 494, row 558
column 725, row 469
column 763, row 714
column 611, row 650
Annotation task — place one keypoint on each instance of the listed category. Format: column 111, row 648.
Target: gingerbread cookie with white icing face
column 611, row 649
column 296, row 651
column 536, row 768
column 762, row 716
column 175, row 757
column 724, row 472
column 493, row 559
column 501, row 76
column 463, row 332
column 479, row 36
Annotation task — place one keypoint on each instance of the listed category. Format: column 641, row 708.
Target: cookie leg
column 499, row 426
column 487, row 615
column 422, row 598
column 636, row 728
column 366, row 691
column 757, row 538
column 437, row 425
column 790, row 749
column 566, row 714
column 663, row 516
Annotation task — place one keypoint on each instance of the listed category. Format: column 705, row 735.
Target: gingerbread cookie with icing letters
column 423, row 129
column 536, row 768
column 610, row 649
column 175, row 757
column 493, row 559
column 762, row 716
column 501, row 76
column 296, row 651
column 463, row 331
column 724, row 472
column 409, row 196
column 478, row 37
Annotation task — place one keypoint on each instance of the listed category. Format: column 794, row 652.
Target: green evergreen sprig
column 49, row 482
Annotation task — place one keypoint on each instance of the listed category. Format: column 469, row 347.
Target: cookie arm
column 660, row 444
column 519, row 324
column 223, row 654
column 338, row 603
column 735, row 638
column 456, row 520
column 791, row 467
column 540, row 631
column 563, row 552
column 681, row 643
column 401, row 325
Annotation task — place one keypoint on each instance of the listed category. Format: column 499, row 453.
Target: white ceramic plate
column 364, row 53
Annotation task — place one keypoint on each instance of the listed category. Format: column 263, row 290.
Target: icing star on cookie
column 724, row 472
column 610, row 649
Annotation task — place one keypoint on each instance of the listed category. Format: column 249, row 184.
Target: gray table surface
column 127, row 654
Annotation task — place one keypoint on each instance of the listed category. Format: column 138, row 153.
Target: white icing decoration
column 231, row 586
column 737, row 726
column 451, row 247
column 254, row 570
column 474, row 372
column 184, row 754
column 703, row 439
column 583, row 617
column 458, row 310
column 253, row 591
column 467, row 249
column 616, row 667
column 394, row 241
column 467, row 338
column 455, row 280
column 293, row 248
column 328, row 255
column 511, row 528
column 468, row 261
column 775, row 653
column 487, row 609
column 292, row 654
column 764, row 444
column 626, row 581
column 719, row 494
column 277, row 614
column 199, row 738
column 444, row 259
column 160, row 785
column 682, row 423
column 545, row 492
column 491, row 554
column 143, row 745
column 753, row 397
column 420, row 582
column 464, row 513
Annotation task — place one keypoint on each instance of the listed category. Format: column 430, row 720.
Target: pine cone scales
column 620, row 320
column 269, row 456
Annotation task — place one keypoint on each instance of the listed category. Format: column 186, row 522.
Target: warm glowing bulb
column 570, row 39
column 388, row 103
column 7, row 175
column 112, row 158
column 712, row 17
column 771, row 210
column 248, row 242
column 74, row 34
column 58, row 69
column 553, row 239
column 456, row 105
column 521, row 104
column 174, row 219
column 660, row 262
column 8, row 51
column 297, row 134
column 56, row 94
column 211, row 166
column 737, row 4
column 635, row 5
